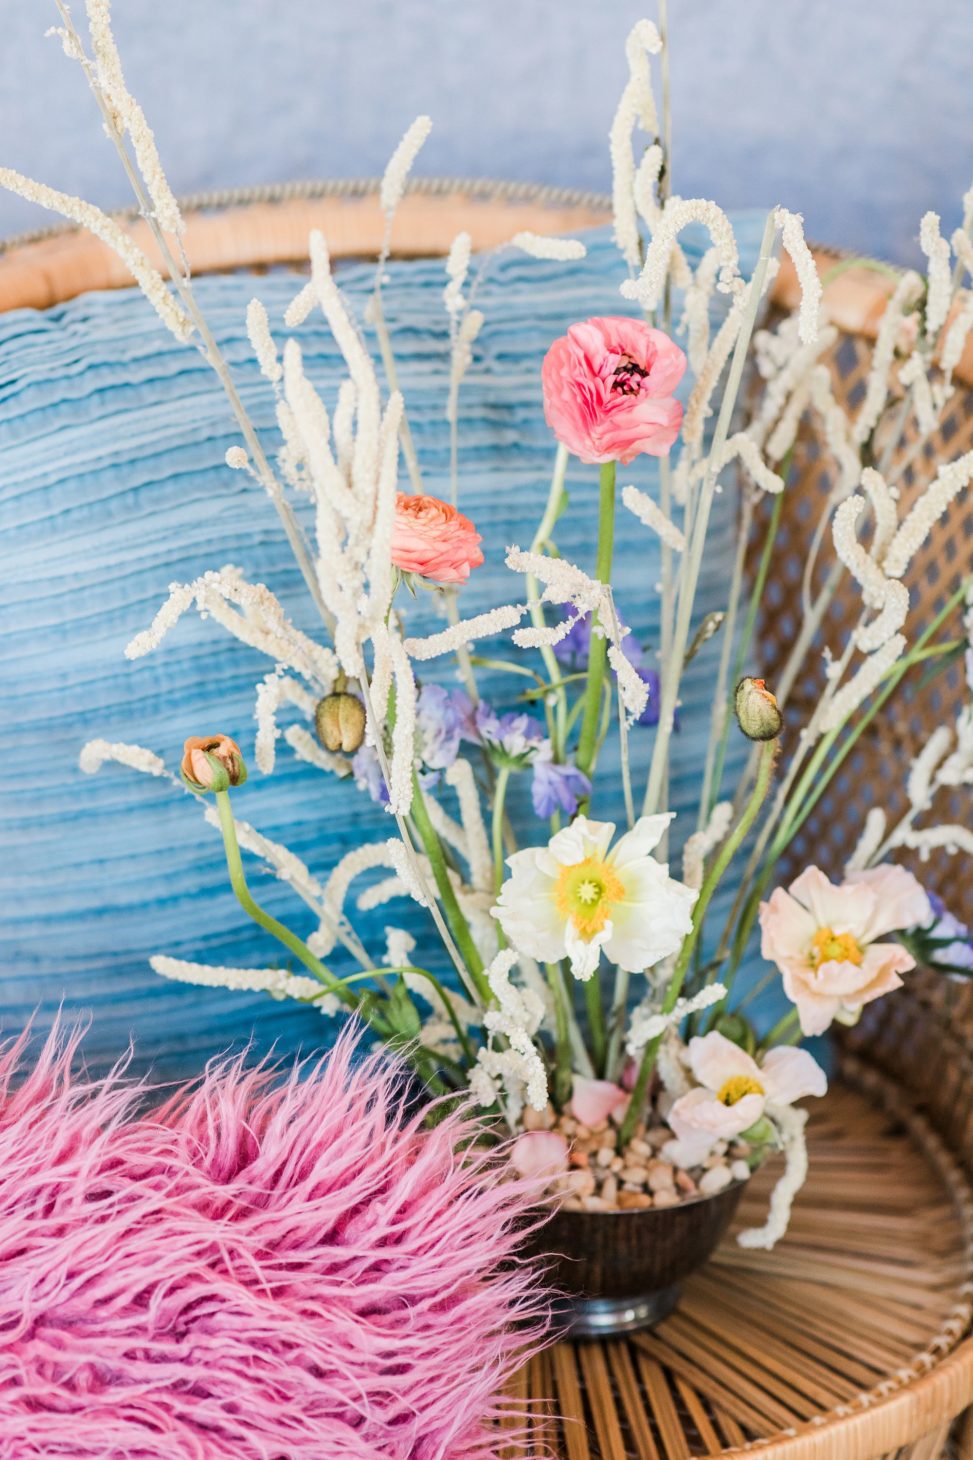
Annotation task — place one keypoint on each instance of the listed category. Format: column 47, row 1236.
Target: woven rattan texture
column 865, row 1295
column 875, row 771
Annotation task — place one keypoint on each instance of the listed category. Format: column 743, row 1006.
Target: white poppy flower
column 734, row 1091
column 574, row 897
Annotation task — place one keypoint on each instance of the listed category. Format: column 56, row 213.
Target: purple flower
column 515, row 737
column 572, row 652
column 959, row 952
column 650, row 678
column 556, row 787
column 442, row 719
column 368, row 774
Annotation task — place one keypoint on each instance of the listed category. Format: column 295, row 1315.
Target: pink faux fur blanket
column 261, row 1267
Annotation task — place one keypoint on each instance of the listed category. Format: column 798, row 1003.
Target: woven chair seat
column 851, row 1340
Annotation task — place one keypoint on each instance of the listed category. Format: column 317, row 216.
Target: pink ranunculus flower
column 431, row 539
column 608, row 387
column 733, row 1091
column 826, row 940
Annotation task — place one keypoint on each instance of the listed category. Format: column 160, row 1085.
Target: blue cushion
column 112, row 439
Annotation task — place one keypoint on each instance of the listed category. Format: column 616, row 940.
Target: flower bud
column 340, row 722
column 756, row 710
column 212, row 763
column 738, row 1030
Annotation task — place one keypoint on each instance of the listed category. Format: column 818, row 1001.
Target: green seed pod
column 340, row 722
column 757, row 711
column 737, row 1029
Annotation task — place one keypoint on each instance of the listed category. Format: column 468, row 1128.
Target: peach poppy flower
column 431, row 539
column 734, row 1091
column 826, row 940
column 608, row 390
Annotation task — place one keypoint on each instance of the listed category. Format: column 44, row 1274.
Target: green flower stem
column 768, row 754
column 458, row 925
column 711, row 793
column 443, row 993
column 499, row 797
column 283, row 935
column 596, row 1022
column 562, row 1037
column 783, row 1031
column 598, row 651
column 818, row 776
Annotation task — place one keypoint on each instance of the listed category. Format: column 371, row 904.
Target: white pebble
column 661, row 1176
column 714, row 1180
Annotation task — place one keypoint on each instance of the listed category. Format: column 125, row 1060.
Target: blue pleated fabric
column 112, row 443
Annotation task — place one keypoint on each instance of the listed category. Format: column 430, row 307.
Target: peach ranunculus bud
column 608, row 390
column 212, row 763
column 431, row 539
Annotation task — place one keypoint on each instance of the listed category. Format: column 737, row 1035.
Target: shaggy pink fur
column 259, row 1268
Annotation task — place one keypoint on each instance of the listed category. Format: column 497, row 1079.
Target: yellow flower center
column 586, row 893
column 827, row 946
column 736, row 1087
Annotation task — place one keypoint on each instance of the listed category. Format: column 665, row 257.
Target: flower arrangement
column 593, row 1008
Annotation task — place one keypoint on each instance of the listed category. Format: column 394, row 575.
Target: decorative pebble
column 603, row 1179
column 633, row 1200
column 634, row 1175
column 661, row 1176
column 581, row 1183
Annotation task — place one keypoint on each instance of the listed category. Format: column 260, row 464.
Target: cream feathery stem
column 210, row 349
column 552, row 512
column 598, row 644
column 768, row 755
column 465, row 975
column 720, row 718
column 696, row 538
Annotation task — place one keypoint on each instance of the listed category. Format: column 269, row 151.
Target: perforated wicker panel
column 865, row 1295
column 876, row 768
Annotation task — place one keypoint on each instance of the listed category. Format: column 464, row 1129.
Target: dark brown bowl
column 618, row 1271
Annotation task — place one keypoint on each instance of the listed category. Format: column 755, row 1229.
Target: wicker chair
column 852, row 1340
